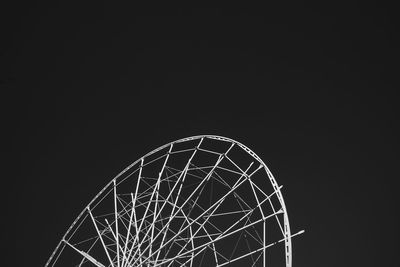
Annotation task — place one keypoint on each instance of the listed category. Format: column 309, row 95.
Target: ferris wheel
column 199, row 201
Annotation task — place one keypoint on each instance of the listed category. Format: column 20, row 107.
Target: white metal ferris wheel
column 199, row 201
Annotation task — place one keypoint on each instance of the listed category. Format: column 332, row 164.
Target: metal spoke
column 100, row 236
column 85, row 255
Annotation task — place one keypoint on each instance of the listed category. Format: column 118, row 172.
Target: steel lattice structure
column 199, row 201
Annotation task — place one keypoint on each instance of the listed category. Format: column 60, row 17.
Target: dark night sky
column 311, row 89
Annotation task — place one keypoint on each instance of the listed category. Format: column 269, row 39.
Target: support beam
column 116, row 221
column 100, row 236
column 84, row 254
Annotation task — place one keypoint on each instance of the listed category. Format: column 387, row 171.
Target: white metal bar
column 133, row 207
column 116, row 221
column 209, row 151
column 114, row 235
column 136, row 229
column 155, row 204
column 192, row 241
column 84, row 254
column 264, row 223
column 264, row 241
column 255, row 261
column 248, row 246
column 226, row 213
column 154, row 218
column 129, row 229
column 181, row 151
column 101, row 238
column 90, row 248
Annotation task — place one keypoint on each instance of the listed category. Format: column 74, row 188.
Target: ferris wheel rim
column 287, row 232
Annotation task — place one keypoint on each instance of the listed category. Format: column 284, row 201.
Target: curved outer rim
column 288, row 242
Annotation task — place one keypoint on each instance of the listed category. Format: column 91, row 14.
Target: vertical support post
column 133, row 207
column 264, row 244
column 116, row 221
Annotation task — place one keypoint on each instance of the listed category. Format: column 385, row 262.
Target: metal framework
column 199, row 201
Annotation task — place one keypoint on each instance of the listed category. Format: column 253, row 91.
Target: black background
column 89, row 88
